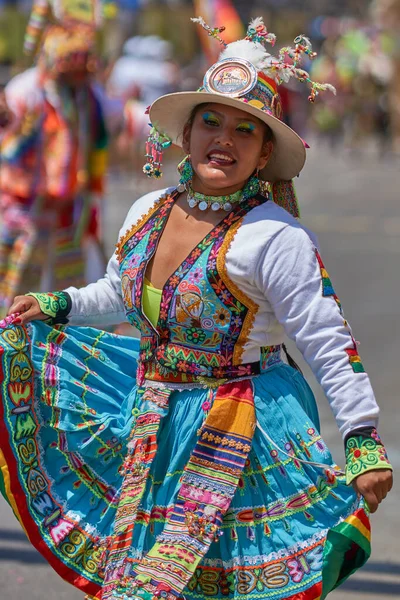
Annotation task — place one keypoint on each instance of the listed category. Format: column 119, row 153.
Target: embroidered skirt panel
column 116, row 485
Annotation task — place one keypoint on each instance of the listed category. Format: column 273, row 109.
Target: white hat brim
column 170, row 113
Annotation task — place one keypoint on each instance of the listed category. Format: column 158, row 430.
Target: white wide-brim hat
column 170, row 113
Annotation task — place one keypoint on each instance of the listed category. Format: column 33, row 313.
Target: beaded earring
column 185, row 170
column 251, row 188
column 156, row 143
column 263, row 186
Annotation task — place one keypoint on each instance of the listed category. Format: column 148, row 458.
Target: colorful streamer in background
column 218, row 13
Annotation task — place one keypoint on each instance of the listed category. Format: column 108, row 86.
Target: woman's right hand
column 29, row 310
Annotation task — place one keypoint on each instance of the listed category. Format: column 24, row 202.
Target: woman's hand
column 374, row 486
column 29, row 309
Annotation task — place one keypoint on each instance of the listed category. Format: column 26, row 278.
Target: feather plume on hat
column 247, row 76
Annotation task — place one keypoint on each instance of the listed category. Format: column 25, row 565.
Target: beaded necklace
column 226, row 202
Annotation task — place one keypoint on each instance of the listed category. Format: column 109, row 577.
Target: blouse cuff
column 57, row 305
column 364, row 452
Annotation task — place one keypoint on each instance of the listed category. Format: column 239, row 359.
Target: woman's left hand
column 374, row 486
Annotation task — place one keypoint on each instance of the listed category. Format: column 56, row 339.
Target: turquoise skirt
column 68, row 407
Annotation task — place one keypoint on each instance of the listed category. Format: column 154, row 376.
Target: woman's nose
column 224, row 137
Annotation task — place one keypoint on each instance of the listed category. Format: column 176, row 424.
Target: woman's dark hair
column 268, row 133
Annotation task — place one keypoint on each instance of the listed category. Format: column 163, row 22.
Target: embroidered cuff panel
column 364, row 452
column 57, row 305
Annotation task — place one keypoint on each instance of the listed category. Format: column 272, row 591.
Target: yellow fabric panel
column 151, row 302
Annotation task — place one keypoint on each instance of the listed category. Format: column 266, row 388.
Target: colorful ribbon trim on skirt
column 208, row 485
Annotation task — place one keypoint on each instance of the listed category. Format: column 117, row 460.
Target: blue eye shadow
column 208, row 116
column 247, row 126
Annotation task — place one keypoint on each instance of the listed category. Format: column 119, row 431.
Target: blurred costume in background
column 387, row 17
column 359, row 61
column 53, row 159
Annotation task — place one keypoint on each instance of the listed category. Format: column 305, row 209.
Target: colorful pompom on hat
column 247, row 77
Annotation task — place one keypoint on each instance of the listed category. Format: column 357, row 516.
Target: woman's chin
column 218, row 180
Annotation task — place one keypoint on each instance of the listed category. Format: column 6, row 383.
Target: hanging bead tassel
column 156, row 143
column 284, row 195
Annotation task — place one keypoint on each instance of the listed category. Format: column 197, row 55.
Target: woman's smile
column 220, row 159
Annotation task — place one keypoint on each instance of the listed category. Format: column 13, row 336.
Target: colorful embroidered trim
column 252, row 307
column 142, row 449
column 207, row 487
column 355, row 533
column 284, row 195
column 365, row 454
column 202, row 323
column 327, row 287
column 57, row 305
column 354, row 358
column 328, row 291
column 28, row 486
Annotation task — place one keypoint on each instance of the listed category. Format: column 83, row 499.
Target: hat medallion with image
column 247, row 77
column 233, row 78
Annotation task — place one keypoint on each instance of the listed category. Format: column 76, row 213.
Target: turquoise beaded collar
column 227, row 202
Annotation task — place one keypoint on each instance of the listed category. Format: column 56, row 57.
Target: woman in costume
column 53, row 162
column 190, row 464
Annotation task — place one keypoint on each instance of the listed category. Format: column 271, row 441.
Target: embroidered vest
column 204, row 317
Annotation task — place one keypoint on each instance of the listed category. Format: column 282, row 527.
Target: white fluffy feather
column 254, row 52
column 256, row 22
column 251, row 51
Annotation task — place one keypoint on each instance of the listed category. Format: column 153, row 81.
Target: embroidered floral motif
column 57, row 305
column 196, row 336
column 365, row 454
column 222, row 317
column 204, row 319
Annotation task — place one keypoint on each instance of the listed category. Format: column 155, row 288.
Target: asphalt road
column 352, row 203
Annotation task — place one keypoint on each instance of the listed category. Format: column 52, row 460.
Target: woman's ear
column 265, row 155
column 186, row 138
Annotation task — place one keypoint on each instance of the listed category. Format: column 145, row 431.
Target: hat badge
column 233, row 77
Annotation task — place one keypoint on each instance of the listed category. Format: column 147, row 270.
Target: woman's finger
column 380, row 493
column 33, row 314
column 17, row 306
column 372, row 501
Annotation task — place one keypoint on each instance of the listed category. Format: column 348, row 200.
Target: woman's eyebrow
column 250, row 119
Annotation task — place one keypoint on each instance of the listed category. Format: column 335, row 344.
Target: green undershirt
column 151, row 302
